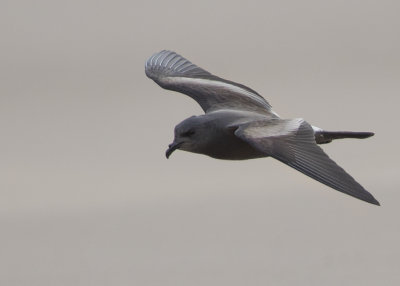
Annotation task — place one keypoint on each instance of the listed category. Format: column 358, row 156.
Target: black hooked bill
column 171, row 148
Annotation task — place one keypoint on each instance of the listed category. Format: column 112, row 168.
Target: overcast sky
column 88, row 197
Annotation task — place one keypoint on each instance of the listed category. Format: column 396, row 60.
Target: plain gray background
column 88, row 198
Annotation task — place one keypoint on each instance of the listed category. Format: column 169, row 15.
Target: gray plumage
column 240, row 124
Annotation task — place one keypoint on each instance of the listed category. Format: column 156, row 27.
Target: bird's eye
column 188, row 133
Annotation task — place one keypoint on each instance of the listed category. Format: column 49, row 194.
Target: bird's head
column 190, row 135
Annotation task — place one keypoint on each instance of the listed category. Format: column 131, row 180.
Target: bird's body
column 239, row 124
column 221, row 141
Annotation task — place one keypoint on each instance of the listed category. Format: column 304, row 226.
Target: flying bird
column 240, row 124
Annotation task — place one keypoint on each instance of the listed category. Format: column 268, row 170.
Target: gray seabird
column 239, row 124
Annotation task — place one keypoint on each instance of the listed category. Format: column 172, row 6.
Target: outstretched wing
column 293, row 143
column 172, row 71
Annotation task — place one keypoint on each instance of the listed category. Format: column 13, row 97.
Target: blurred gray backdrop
column 88, row 198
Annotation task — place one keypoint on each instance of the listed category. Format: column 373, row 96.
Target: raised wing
column 172, row 71
column 293, row 143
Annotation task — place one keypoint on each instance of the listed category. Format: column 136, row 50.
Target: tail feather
column 323, row 137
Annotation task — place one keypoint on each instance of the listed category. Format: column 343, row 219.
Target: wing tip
column 363, row 195
column 373, row 201
column 164, row 63
column 151, row 65
column 167, row 63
